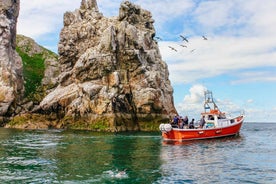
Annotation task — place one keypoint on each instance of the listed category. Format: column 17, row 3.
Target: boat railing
column 223, row 122
column 235, row 114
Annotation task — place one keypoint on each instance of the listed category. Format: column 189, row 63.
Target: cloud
column 215, row 14
column 193, row 102
column 237, row 17
column 219, row 55
column 38, row 18
column 249, row 101
column 166, row 10
column 256, row 76
column 241, row 40
column 196, row 94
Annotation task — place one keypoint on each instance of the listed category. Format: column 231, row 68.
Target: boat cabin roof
column 213, row 113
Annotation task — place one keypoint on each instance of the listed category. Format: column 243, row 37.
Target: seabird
column 183, row 45
column 184, row 38
column 192, row 50
column 172, row 48
column 204, row 38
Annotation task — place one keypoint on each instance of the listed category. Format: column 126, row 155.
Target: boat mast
column 209, row 101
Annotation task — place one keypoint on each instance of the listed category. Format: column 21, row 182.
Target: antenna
column 209, row 101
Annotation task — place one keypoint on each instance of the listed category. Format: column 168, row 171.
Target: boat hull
column 192, row 134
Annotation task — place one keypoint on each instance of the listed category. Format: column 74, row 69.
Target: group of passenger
column 183, row 123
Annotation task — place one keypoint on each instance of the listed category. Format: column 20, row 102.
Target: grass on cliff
column 33, row 71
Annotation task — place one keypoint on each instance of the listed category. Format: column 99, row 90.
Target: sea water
column 60, row 156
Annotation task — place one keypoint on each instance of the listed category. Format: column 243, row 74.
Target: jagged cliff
column 112, row 76
column 11, row 80
column 112, row 71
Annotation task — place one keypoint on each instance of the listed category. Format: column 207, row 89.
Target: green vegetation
column 33, row 71
column 149, row 123
column 33, row 59
column 81, row 124
column 149, row 126
column 18, row 120
column 30, row 121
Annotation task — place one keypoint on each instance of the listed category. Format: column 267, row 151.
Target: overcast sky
column 237, row 61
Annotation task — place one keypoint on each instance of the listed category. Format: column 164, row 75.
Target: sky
column 237, row 62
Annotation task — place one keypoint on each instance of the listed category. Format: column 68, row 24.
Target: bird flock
column 184, row 44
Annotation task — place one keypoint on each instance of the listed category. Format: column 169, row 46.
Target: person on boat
column 175, row 121
column 180, row 122
column 211, row 117
column 191, row 124
column 185, row 122
column 202, row 122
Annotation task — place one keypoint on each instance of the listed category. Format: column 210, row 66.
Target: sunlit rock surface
column 11, row 79
column 112, row 76
column 112, row 70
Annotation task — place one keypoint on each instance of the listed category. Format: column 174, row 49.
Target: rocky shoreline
column 108, row 76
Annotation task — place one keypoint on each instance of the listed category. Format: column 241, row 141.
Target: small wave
column 116, row 174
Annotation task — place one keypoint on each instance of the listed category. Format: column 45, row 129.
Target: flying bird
column 192, row 50
column 204, row 38
column 183, row 45
column 172, row 48
column 184, row 38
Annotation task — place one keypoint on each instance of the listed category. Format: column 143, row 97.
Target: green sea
column 63, row 156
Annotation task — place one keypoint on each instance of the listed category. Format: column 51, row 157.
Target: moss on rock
column 33, row 57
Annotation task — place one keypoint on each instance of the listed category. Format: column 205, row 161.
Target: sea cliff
column 109, row 76
column 11, row 68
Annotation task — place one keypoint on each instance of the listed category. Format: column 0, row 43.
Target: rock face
column 40, row 69
column 11, row 80
column 34, row 53
column 111, row 70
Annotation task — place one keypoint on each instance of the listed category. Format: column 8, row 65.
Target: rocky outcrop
column 40, row 68
column 38, row 59
column 11, row 80
column 111, row 71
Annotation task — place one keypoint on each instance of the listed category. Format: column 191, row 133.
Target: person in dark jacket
column 175, row 121
column 202, row 122
column 186, row 122
column 191, row 124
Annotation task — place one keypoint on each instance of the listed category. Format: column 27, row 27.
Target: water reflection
column 205, row 141
column 25, row 155
column 52, row 156
column 200, row 161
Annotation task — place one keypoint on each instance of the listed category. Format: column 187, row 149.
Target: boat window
column 210, row 117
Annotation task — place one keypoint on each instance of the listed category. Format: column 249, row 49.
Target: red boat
column 215, row 124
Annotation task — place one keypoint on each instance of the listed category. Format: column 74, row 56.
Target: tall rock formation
column 11, row 80
column 112, row 74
